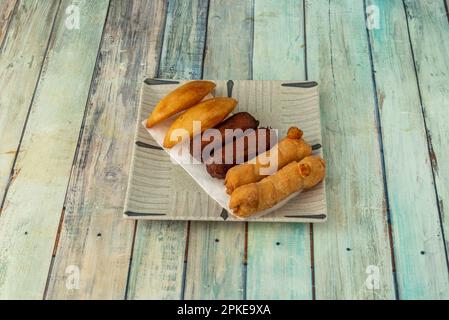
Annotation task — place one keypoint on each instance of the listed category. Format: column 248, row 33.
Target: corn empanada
column 182, row 98
column 208, row 114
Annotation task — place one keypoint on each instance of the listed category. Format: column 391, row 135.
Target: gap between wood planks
column 432, row 156
column 128, row 277
column 186, row 254
column 206, row 23
column 75, row 156
column 13, row 172
column 381, row 145
column 446, row 5
column 245, row 249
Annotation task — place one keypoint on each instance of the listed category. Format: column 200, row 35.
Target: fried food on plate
column 291, row 148
column 208, row 113
column 242, row 149
column 249, row 199
column 241, row 120
column 182, row 98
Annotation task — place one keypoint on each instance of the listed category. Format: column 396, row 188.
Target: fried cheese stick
column 291, row 148
column 249, row 199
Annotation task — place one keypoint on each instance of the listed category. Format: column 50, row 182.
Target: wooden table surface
column 70, row 78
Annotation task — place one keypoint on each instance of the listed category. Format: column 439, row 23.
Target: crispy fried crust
column 249, row 199
column 291, row 148
column 241, row 150
column 208, row 113
column 184, row 97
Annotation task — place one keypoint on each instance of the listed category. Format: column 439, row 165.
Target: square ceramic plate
column 158, row 189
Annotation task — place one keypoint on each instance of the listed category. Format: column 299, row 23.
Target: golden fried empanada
column 208, row 113
column 184, row 97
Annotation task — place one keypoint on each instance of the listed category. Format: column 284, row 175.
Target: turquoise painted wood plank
column 158, row 261
column 184, row 40
column 354, row 244
column 429, row 28
column 279, row 44
column 21, row 60
column 230, row 23
column 215, row 267
column 214, row 271
column 279, row 257
column 181, row 58
column 35, row 199
column 215, row 261
column 417, row 234
column 94, row 236
column 6, row 13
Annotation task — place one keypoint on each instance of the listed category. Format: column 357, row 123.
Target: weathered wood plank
column 6, row 12
column 158, row 261
column 34, row 202
column 21, row 61
column 279, row 254
column 229, row 40
column 356, row 234
column 447, row 9
column 417, row 235
column 429, row 28
column 94, row 237
column 279, row 44
column 184, row 40
column 182, row 56
column 213, row 270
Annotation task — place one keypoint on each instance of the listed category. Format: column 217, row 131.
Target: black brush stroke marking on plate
column 143, row 214
column 155, row 82
column 316, row 147
column 147, row 146
column 230, row 85
column 309, row 84
column 224, row 214
column 318, row 217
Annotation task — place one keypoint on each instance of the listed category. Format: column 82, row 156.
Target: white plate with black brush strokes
column 159, row 189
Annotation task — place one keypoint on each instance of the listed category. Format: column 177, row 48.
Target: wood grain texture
column 21, row 61
column 213, row 270
column 279, row 43
column 447, row 9
column 94, row 237
column 429, row 27
column 279, row 255
column 6, row 13
column 356, row 234
column 184, row 40
column 181, row 58
column 417, row 234
column 229, row 40
column 158, row 261
column 43, row 167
